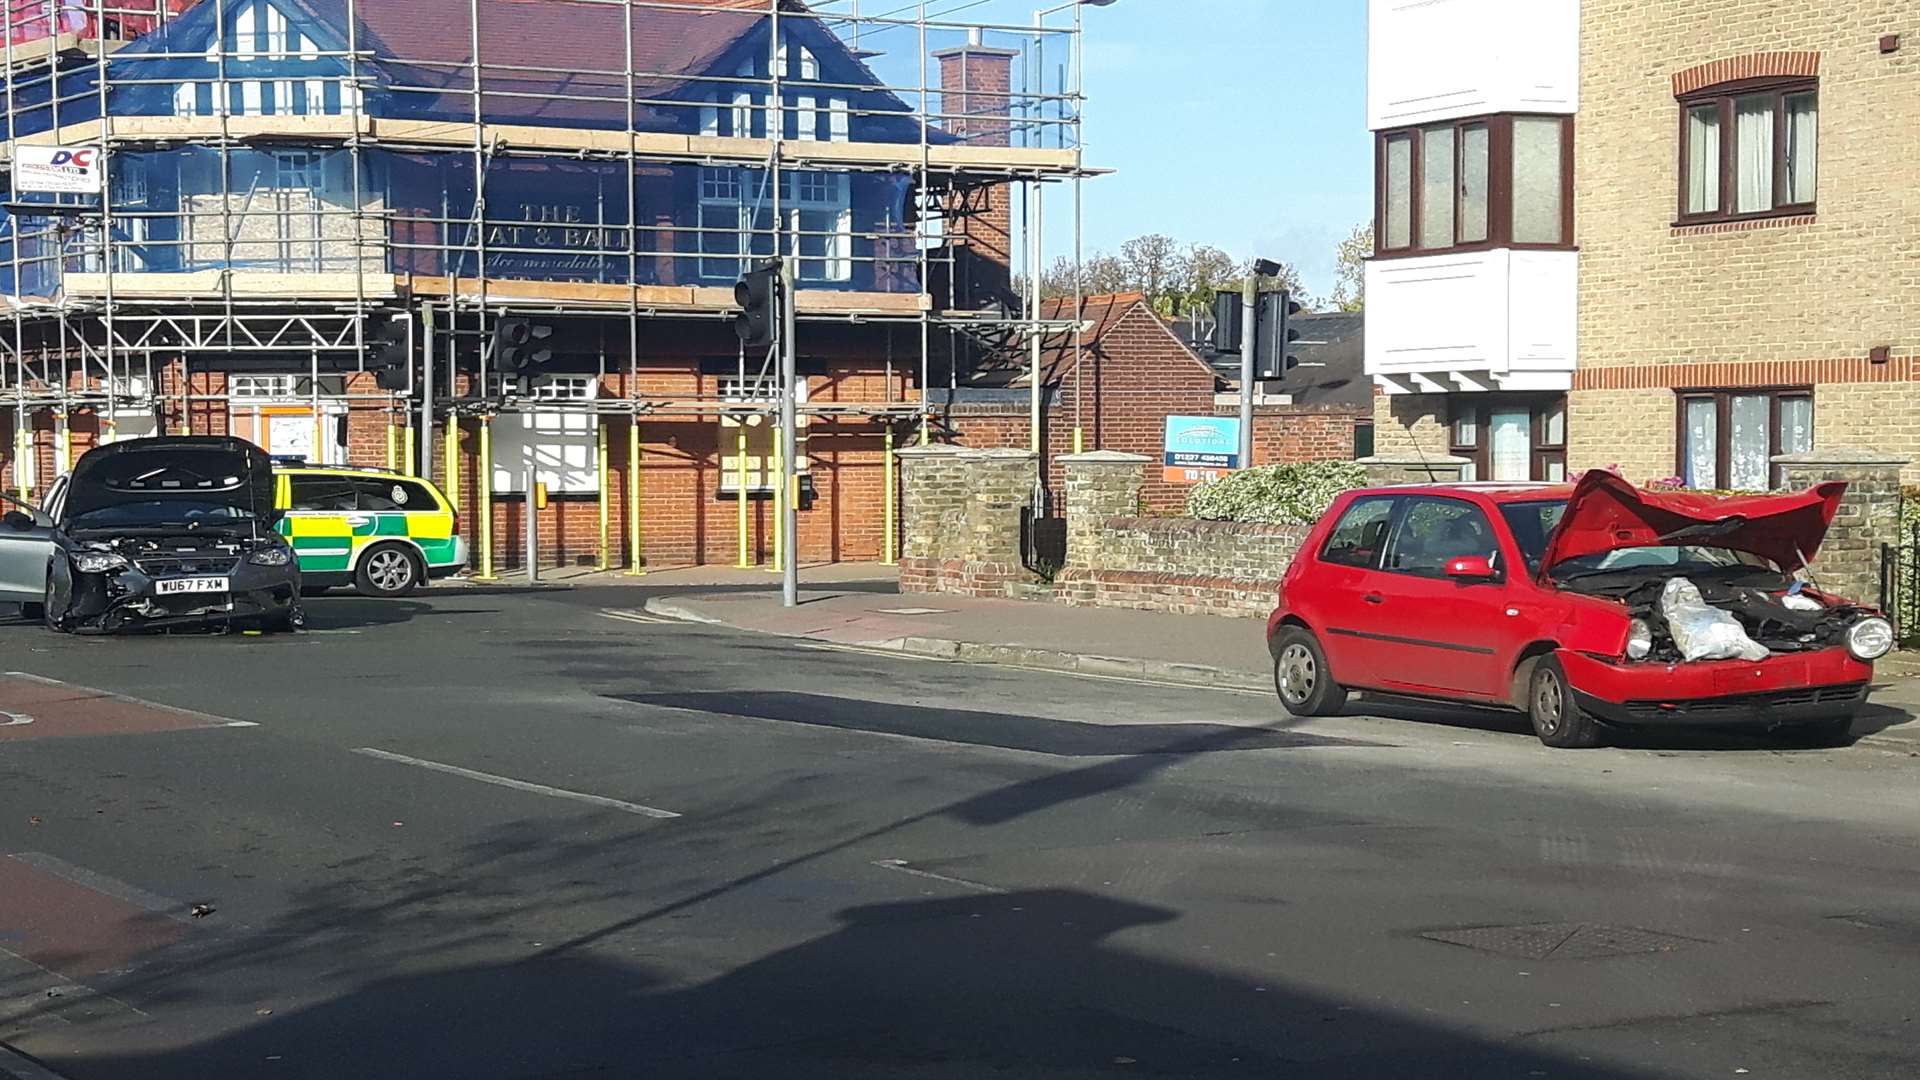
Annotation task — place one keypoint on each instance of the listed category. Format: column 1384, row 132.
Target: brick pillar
column 1849, row 560
column 1412, row 469
column 1101, row 485
column 975, row 105
column 960, row 514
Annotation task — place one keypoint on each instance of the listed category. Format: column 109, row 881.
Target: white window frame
column 565, row 388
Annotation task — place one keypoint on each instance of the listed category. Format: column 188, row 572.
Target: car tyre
column 1557, row 718
column 388, row 570
column 1301, row 676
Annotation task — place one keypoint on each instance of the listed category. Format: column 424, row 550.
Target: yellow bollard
column 637, row 557
column 452, row 486
column 1079, row 440
column 390, row 449
column 886, row 540
column 405, row 464
column 483, row 499
column 604, row 562
column 319, row 439
column 779, row 516
column 740, row 497
column 22, row 448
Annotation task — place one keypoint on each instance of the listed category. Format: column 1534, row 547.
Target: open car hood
column 1606, row 513
column 197, row 468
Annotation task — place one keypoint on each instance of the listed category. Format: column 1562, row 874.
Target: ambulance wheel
column 388, row 570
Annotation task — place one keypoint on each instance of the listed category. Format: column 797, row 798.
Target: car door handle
column 1374, row 598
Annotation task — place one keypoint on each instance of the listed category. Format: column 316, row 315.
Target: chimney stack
column 976, row 82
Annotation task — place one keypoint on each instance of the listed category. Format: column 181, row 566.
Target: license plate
column 178, row 586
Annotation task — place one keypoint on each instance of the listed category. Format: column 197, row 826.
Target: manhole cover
column 1559, row 941
column 914, row 611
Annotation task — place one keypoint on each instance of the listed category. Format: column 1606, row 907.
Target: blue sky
column 1238, row 123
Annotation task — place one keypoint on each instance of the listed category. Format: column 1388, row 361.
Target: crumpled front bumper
column 129, row 599
column 1783, row 690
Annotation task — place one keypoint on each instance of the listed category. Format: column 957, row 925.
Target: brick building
column 1117, row 380
column 314, row 220
column 1677, row 236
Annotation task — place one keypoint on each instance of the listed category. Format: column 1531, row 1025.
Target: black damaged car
column 171, row 532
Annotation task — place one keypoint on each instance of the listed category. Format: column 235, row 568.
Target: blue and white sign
column 1201, row 448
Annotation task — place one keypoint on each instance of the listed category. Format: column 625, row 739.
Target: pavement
column 540, row 833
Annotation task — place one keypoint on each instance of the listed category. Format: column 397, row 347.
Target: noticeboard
column 1201, row 448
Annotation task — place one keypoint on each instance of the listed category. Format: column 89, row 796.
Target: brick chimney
column 976, row 81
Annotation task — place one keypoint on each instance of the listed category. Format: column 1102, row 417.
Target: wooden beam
column 207, row 284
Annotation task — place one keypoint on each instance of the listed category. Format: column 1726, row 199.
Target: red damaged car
column 1590, row 607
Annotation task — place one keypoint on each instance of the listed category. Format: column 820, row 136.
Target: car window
column 1532, row 524
column 380, row 493
column 1433, row 532
column 327, row 494
column 1356, row 540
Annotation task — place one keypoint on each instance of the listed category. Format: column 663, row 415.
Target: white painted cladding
column 1430, row 60
column 1484, row 320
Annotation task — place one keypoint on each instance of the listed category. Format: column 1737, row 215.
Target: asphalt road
column 512, row 835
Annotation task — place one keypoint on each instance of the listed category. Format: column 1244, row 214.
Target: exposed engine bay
column 162, row 576
column 1744, row 612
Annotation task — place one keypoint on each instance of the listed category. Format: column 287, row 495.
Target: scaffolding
column 279, row 179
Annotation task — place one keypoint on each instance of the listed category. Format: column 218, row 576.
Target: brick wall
column 1182, row 565
column 1411, row 425
column 1794, row 301
column 1130, row 380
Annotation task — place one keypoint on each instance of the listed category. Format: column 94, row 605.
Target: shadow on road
column 1018, row 985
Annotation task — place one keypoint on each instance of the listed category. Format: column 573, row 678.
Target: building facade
column 1671, row 236
column 319, row 224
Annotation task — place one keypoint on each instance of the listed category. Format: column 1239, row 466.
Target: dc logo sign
column 79, row 159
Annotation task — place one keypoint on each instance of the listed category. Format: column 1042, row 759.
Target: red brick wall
column 1135, row 377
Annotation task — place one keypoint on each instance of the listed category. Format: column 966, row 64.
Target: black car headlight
column 273, row 556
column 1870, row 639
column 98, row 562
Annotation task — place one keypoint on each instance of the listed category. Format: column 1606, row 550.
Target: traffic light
column 1272, row 350
column 758, row 294
column 387, row 357
column 521, row 346
column 1226, row 322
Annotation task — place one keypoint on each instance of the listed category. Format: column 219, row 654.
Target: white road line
column 518, row 785
column 20, row 1067
column 215, row 721
column 901, row 866
column 635, row 617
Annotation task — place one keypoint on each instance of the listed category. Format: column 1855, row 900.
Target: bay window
column 1749, row 150
column 1497, row 181
column 1729, row 438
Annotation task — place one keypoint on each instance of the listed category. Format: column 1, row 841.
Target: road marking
column 634, row 617
column 518, row 785
column 15, row 719
column 900, row 865
column 210, row 719
column 21, row 1067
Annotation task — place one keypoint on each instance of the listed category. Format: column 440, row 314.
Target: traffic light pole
column 789, row 444
column 1249, row 342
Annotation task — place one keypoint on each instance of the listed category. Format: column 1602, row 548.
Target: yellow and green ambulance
column 383, row 532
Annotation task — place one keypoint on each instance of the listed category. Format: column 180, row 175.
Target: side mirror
column 1470, row 568
column 18, row 521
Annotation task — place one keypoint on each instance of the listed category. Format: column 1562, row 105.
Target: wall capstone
column 1383, row 469
column 1849, row 560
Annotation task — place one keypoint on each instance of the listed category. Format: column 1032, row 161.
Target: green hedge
column 1276, row 494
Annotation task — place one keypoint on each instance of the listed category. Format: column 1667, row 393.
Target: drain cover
column 1559, row 941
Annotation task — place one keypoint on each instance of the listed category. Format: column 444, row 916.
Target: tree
column 1154, row 265
column 1350, row 270
column 1175, row 280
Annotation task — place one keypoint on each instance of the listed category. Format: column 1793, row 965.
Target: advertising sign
column 62, row 169
column 1201, row 448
